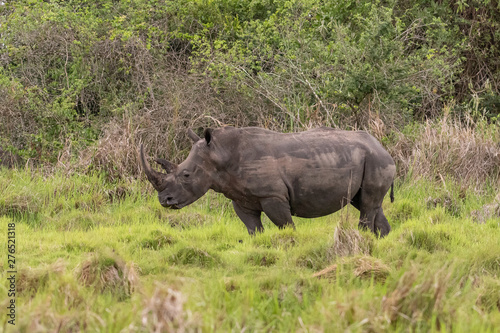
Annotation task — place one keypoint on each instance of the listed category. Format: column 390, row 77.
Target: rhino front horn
column 155, row 178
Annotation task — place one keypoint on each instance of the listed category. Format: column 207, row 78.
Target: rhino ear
column 192, row 135
column 166, row 165
column 208, row 135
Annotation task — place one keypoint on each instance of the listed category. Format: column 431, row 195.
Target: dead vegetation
column 348, row 241
column 164, row 311
column 328, row 272
column 363, row 267
column 463, row 150
column 367, row 267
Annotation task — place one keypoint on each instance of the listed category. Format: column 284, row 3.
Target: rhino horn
column 192, row 135
column 166, row 165
column 155, row 178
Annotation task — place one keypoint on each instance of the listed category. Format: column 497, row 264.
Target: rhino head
column 184, row 183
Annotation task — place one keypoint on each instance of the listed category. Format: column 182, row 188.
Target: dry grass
column 364, row 267
column 114, row 152
column 466, row 151
column 348, row 241
column 164, row 311
column 328, row 272
column 367, row 267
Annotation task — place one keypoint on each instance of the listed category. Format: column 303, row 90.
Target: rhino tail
column 392, row 192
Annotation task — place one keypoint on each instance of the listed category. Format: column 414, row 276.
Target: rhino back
column 315, row 171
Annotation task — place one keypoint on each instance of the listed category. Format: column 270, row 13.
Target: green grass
column 93, row 256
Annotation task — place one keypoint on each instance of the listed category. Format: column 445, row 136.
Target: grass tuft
column 261, row 258
column 106, row 271
column 30, row 281
column 315, row 256
column 196, row 257
column 157, row 239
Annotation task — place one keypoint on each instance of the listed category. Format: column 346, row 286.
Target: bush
column 83, row 84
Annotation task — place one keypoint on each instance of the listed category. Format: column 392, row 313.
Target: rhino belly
column 323, row 192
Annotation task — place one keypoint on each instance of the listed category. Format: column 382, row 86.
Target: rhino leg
column 371, row 215
column 251, row 218
column 278, row 212
column 367, row 220
column 382, row 226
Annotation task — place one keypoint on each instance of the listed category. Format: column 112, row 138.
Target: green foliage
column 70, row 68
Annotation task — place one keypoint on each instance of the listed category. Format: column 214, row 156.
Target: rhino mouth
column 172, row 206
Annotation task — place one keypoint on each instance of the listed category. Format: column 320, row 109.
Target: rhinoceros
column 307, row 174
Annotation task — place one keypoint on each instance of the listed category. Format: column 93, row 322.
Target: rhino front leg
column 251, row 218
column 278, row 212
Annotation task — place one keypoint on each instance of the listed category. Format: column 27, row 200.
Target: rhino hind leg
column 251, row 218
column 371, row 214
column 382, row 226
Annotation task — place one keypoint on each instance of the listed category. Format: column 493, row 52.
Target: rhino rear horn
column 155, row 178
column 192, row 135
column 166, row 165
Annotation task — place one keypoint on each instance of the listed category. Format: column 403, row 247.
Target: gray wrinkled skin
column 307, row 174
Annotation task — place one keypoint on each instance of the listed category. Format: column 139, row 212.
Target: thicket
column 82, row 83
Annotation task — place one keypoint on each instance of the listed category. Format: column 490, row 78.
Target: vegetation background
column 83, row 83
